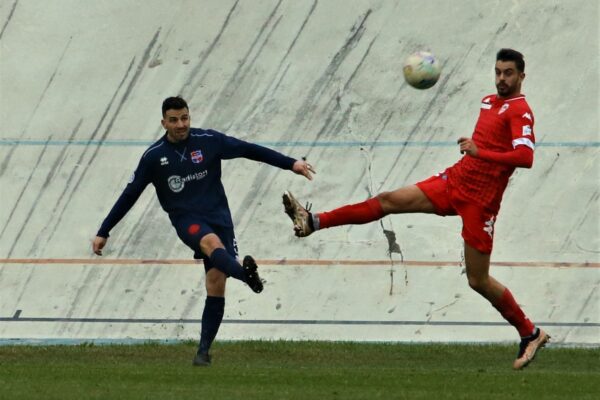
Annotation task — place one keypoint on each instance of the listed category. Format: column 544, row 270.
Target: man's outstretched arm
column 130, row 195
column 234, row 148
column 121, row 207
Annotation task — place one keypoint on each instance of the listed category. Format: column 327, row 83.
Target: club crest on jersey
column 197, row 156
column 526, row 130
column 503, row 108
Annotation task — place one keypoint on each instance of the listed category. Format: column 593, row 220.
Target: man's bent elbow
column 525, row 158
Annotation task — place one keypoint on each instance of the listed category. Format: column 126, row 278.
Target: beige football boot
column 298, row 214
column 529, row 346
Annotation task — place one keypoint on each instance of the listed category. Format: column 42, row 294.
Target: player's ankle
column 313, row 221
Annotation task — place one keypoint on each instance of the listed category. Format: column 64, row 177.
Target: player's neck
column 512, row 95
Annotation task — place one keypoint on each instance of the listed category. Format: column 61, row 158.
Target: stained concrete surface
column 80, row 90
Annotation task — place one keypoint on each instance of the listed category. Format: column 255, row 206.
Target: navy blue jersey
column 187, row 176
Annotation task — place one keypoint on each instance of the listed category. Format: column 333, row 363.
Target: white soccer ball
column 421, row 70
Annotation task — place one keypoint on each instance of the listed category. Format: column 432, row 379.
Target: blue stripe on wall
column 399, row 143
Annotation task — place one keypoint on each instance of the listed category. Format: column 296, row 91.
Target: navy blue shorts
column 191, row 229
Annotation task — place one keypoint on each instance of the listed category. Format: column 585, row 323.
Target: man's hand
column 301, row 167
column 468, row 146
column 98, row 245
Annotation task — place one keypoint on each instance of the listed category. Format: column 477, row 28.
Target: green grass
column 295, row 370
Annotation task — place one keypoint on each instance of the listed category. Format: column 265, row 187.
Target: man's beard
column 503, row 89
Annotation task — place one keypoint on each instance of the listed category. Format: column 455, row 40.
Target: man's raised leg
column 220, row 259
column 409, row 199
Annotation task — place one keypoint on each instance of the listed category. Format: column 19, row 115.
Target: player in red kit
column 472, row 188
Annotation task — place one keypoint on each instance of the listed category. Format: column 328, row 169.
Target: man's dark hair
column 512, row 55
column 173, row 103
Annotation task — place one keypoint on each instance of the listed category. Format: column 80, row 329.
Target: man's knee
column 392, row 202
column 478, row 284
column 406, row 199
column 209, row 243
column 384, row 199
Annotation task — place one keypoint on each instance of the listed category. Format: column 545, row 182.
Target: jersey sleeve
column 235, row 148
column 136, row 185
column 521, row 157
column 521, row 128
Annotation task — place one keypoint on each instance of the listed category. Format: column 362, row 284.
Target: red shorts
column 478, row 222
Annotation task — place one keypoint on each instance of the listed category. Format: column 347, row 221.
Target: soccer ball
column 421, row 70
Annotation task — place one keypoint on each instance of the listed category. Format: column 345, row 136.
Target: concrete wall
column 80, row 90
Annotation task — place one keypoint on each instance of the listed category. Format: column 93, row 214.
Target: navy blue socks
column 225, row 263
column 212, row 316
column 214, row 307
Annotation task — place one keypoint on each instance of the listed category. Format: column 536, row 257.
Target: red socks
column 359, row 213
column 510, row 310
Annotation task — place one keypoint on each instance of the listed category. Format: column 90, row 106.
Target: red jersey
column 503, row 125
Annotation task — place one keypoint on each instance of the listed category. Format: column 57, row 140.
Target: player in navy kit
column 185, row 168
